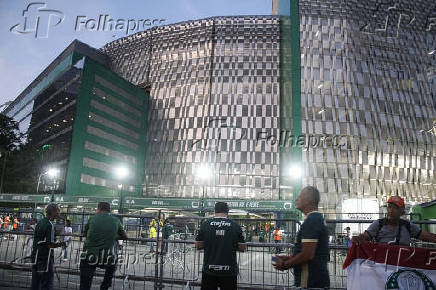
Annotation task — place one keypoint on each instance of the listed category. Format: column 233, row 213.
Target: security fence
column 173, row 263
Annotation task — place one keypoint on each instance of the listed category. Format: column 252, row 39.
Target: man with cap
column 220, row 238
column 393, row 229
column 101, row 232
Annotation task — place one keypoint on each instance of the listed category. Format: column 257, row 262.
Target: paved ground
column 182, row 262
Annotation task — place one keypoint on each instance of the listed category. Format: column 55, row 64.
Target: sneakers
column 65, row 260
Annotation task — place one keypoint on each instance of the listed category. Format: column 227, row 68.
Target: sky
column 26, row 50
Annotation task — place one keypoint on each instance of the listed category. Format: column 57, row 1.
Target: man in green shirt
column 167, row 231
column 311, row 251
column 220, row 238
column 101, row 232
column 42, row 251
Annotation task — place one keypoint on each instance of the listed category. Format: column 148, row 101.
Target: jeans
column 165, row 247
column 278, row 249
column 42, row 275
column 87, row 272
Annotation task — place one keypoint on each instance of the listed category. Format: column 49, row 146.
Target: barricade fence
column 173, row 262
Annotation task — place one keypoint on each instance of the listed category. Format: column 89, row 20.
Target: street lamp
column 53, row 174
column 204, row 173
column 121, row 173
column 295, row 172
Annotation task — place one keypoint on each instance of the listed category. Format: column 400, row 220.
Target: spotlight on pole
column 121, row 172
column 53, row 172
column 296, row 172
column 203, row 172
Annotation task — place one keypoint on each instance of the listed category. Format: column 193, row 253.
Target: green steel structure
column 290, row 99
column 109, row 132
column 132, row 202
column 88, row 122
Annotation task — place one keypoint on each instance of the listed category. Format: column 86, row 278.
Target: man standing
column 277, row 238
column 220, row 238
column 152, row 235
column 311, row 251
column 6, row 222
column 167, row 231
column 68, row 239
column 28, row 245
column 101, row 232
column 42, row 253
column 393, row 229
column 15, row 224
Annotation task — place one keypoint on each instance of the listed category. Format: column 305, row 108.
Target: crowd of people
column 220, row 237
column 9, row 223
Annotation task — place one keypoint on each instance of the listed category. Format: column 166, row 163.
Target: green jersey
column 102, row 232
column 167, row 231
column 220, row 237
column 313, row 274
column 44, row 234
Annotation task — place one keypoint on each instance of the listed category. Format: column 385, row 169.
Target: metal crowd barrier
column 180, row 267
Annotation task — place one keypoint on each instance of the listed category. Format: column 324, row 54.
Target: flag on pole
column 380, row 266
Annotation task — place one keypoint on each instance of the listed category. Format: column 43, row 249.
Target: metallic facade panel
column 367, row 97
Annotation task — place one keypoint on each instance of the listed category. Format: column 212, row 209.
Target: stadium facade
column 217, row 101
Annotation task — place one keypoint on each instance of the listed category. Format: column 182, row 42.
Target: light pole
column 296, row 172
column 204, row 173
column 121, row 173
column 52, row 173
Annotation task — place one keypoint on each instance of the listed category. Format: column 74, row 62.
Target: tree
column 18, row 160
column 21, row 170
column 9, row 141
column 10, row 136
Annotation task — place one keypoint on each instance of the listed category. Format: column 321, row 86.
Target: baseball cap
column 397, row 200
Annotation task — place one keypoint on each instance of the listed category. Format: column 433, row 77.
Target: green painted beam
column 132, row 202
column 290, row 97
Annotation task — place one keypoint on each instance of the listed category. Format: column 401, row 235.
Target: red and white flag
column 380, row 266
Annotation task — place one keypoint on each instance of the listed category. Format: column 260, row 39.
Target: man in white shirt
column 68, row 230
column 29, row 240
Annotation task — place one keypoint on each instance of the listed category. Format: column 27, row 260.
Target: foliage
column 21, row 169
column 18, row 161
column 10, row 137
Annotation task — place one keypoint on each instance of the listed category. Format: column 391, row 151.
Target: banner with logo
column 381, row 266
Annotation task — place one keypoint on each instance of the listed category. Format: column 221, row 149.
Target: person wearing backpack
column 392, row 229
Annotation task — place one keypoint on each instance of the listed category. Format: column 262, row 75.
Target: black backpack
column 384, row 221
